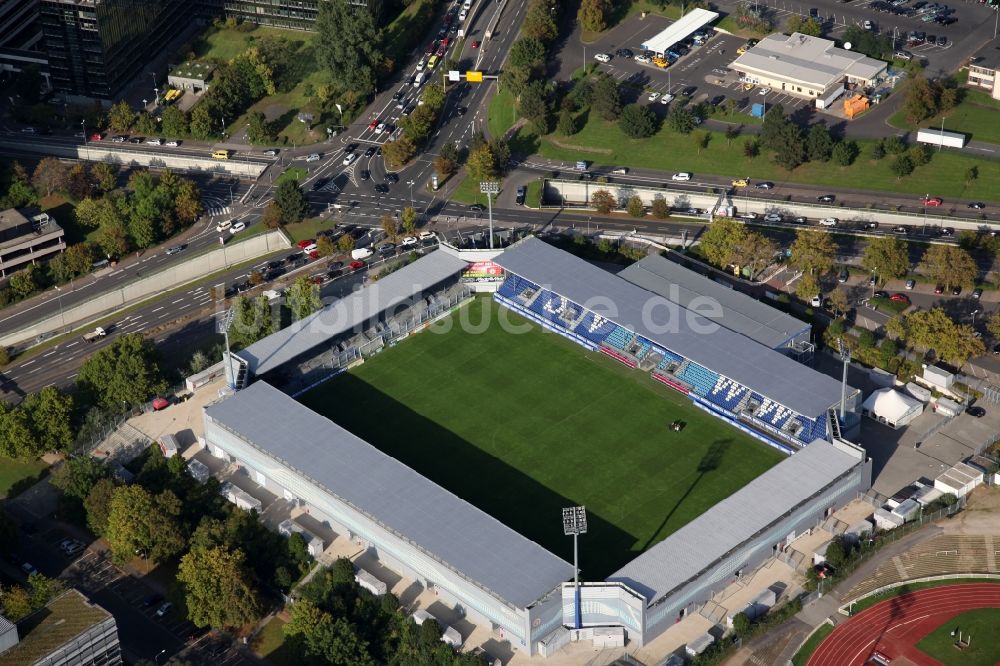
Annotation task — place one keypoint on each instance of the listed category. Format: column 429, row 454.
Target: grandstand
column 722, row 366
column 738, row 370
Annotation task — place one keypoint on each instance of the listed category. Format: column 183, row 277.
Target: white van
column 467, row 5
column 223, row 225
column 361, row 253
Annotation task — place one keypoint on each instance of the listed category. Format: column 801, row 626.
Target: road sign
column 454, row 75
column 474, row 77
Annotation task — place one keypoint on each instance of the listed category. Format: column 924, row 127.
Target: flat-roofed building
column 70, row 629
column 807, row 67
column 24, row 240
column 983, row 71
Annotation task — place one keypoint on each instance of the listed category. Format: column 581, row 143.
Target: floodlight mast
column 845, row 357
column 224, row 322
column 489, row 188
column 575, row 524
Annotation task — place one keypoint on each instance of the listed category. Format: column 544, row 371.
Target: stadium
column 682, row 416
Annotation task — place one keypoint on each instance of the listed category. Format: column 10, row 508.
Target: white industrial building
column 960, row 480
column 807, row 67
column 892, row 408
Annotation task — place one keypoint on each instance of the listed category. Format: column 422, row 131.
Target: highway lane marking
column 177, row 301
column 50, row 353
column 27, row 363
column 75, row 342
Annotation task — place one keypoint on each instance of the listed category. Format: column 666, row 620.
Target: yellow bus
column 221, row 154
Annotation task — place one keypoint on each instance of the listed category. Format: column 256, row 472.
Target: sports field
column 524, row 424
column 978, row 628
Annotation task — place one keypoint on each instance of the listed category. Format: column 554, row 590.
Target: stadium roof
column 701, row 543
column 679, row 29
column 743, row 314
column 683, row 331
column 448, row 528
column 805, row 59
column 350, row 311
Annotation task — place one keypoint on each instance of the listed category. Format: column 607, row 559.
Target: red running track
column 893, row 627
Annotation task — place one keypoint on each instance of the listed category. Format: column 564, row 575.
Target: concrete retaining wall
column 100, row 152
column 196, row 267
column 578, row 192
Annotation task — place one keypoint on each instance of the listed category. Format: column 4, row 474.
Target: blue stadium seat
column 619, row 338
column 701, row 378
column 594, row 327
column 668, row 358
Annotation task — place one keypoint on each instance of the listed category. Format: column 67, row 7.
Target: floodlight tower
column 489, row 188
column 575, row 524
column 845, row 357
column 222, row 325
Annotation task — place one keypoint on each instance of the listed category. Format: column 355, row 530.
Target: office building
column 70, row 629
column 24, row 240
column 983, row 71
column 290, row 14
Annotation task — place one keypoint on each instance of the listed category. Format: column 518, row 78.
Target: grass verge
column 270, row 644
column 12, row 471
column 501, row 114
column 468, row 192
column 292, row 173
column 520, row 444
column 888, row 305
column 802, row 656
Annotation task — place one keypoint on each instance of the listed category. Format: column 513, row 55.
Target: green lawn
column 468, row 192
column 533, row 194
column 802, row 656
column 224, row 44
column 501, row 114
column 12, row 471
column 270, row 644
column 984, row 649
column 605, row 144
column 292, row 173
column 523, row 423
column 888, row 305
column 975, row 116
column 307, row 228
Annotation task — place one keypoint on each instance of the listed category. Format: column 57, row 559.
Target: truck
column 418, row 79
column 96, row 334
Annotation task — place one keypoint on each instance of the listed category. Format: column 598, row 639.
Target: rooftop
column 60, row 621
column 743, row 314
column 11, row 219
column 350, row 311
column 445, row 527
column 806, row 59
column 193, row 70
column 701, row 543
column 679, row 29
column 682, row 331
column 988, row 58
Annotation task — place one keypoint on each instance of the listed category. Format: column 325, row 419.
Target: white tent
column 892, row 408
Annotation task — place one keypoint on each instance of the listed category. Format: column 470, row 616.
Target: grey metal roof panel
column 353, row 310
column 733, row 521
column 683, row 331
column 743, row 314
column 808, row 59
column 468, row 540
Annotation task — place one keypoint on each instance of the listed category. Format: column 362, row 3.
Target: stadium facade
column 736, row 362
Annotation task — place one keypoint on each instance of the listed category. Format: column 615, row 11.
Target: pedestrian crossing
column 216, row 211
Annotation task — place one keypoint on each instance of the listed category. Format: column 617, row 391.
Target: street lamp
column 156, row 660
column 874, row 281
column 411, row 184
column 574, row 524
column 489, row 188
column 974, row 313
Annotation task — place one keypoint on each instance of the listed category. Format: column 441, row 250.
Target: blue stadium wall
column 521, row 626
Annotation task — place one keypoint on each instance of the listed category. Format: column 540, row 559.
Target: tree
column 124, row 372
column 605, row 100
column 139, row 522
column 900, row 166
column 16, row 438
column 637, row 121
column 534, row 106
column 389, row 227
column 175, row 122
column 837, row 551
column 529, row 54
column 566, row 124
column 539, row 22
column 635, row 207
column 971, row 174
column 741, row 622
column 839, row 301
column 348, row 46
column 409, row 220
column 751, row 148
column 50, row 412
column 345, row 243
column 104, row 175
column 146, row 124
column 259, row 130
column 753, row 251
column 680, row 119
column 845, row 152
column 325, row 246
column 398, row 152
column 866, row 339
column 993, row 325
column 772, row 125
column 79, row 182
column 593, row 15
column 50, row 176
column 98, row 505
column 24, row 281
column 887, row 351
column 807, row 286
column 20, row 193
column 813, row 251
column 302, row 298
column 934, row 329
column 202, row 123
column 272, row 216
column 218, row 588
column 878, row 150
column 701, row 140
column 291, row 201
column 919, row 154
column 188, row 206
column 328, row 640
column 121, row 117
column 252, row 320
column 446, row 162
column 482, row 162
column 603, row 201
column 920, row 102
column 732, row 131
column 77, row 476
column 789, row 146
column 719, row 240
column 803, row 24
column 889, row 257
column 819, row 143
column 950, row 265
column 660, row 209
column 113, row 239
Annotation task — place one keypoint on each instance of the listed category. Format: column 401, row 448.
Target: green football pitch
column 524, row 423
column 980, row 625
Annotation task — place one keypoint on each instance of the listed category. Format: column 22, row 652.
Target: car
column 477, row 208
column 976, row 411
column 409, row 241
column 28, row 568
column 774, row 217
column 828, row 222
column 939, row 289
column 900, row 229
column 380, row 128
column 461, row 110
column 880, row 294
column 653, row 96
column 136, row 140
column 903, row 55
column 172, row 143
column 356, row 264
column 900, row 298
column 977, row 293
column 154, row 142
column 381, row 188
column 73, row 549
column 766, row 185
column 320, row 184
column 826, row 198
column 689, row 91
column 164, row 608
column 373, row 124
column 28, row 130
column 623, row 53
column 644, row 59
column 693, row 211
column 602, row 57
column 947, row 232
column 176, row 249
column 391, row 178
column 237, row 227
column 96, row 136
column 398, row 95
column 369, row 152
column 349, row 159
column 427, row 235
column 66, row 543
column 843, row 276
column 271, row 152
column 682, row 176
column 747, row 87
column 867, row 25
column 119, row 139
column 303, row 244
column 519, row 198
column 364, row 174
column 800, row 220
column 763, row 91
column 475, row 44
column 741, row 182
column 152, row 600
column 955, row 291
column 910, row 284
column 717, row 101
column 977, row 205
column 932, row 201
column 816, row 302
column 748, row 216
column 313, row 157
